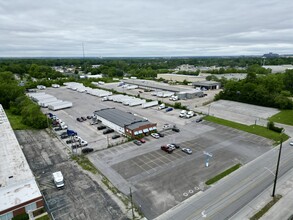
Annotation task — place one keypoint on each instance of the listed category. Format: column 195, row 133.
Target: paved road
column 235, row 191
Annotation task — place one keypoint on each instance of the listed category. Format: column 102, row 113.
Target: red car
column 167, row 149
column 142, row 140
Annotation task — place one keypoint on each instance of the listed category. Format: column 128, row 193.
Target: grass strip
column 253, row 129
column 85, row 163
column 283, row 117
column 223, row 174
column 266, row 208
column 15, row 121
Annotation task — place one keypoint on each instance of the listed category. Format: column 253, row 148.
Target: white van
column 58, row 179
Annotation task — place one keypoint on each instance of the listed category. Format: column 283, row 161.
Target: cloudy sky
column 30, row 28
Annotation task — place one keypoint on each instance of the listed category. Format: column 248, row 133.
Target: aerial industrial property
column 142, row 156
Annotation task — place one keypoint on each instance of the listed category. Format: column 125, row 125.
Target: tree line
column 273, row 90
column 12, row 97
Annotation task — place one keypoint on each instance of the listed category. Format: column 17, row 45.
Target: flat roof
column 206, row 83
column 121, row 118
column 17, row 182
column 153, row 85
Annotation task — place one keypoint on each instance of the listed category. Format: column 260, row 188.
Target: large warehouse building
column 19, row 192
column 125, row 122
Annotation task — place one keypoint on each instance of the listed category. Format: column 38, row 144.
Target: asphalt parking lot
column 161, row 180
column 85, row 104
column 81, row 198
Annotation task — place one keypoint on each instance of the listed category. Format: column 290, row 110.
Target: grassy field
column 283, row 117
column 15, row 121
column 254, row 129
column 223, row 174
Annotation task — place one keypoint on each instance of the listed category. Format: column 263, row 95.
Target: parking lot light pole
column 277, row 170
column 131, row 203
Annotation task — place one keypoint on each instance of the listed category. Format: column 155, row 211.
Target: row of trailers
column 48, row 101
column 107, row 96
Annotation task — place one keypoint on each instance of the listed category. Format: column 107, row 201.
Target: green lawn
column 283, row 117
column 15, row 121
column 223, row 174
column 254, row 129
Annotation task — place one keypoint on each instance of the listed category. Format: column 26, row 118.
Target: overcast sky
column 145, row 27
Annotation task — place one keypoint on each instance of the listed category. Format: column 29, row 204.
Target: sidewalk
column 283, row 209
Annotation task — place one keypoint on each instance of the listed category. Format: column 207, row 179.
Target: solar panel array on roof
column 119, row 117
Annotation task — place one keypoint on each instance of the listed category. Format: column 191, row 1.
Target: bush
column 271, row 126
column 23, row 216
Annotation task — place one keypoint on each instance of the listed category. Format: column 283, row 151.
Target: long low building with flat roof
column 19, row 192
column 125, row 122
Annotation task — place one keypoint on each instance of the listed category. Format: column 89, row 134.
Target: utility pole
column 277, row 170
column 131, row 203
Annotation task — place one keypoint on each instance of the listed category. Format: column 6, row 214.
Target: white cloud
column 145, row 28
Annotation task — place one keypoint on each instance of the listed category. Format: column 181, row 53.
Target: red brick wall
column 19, row 211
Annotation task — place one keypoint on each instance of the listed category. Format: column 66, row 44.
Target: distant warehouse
column 125, row 122
column 19, row 192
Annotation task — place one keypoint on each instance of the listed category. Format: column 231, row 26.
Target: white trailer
column 138, row 102
column 58, row 179
column 61, row 105
column 46, row 104
column 165, row 94
column 47, row 99
column 149, row 104
column 129, row 87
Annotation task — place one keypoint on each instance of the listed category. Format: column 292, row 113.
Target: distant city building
column 19, row 192
column 270, row 55
column 185, row 67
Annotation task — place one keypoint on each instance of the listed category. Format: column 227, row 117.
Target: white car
column 155, row 135
column 187, row 150
column 291, row 143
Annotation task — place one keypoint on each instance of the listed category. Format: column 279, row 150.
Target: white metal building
column 19, row 192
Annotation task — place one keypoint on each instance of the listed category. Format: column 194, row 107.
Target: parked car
column 64, row 135
column 198, row 120
column 291, row 143
column 176, row 129
column 57, row 129
column 87, row 150
column 108, row 131
column 187, row 150
column 155, row 135
column 79, row 119
column 142, row 140
column 171, row 147
column 101, row 127
column 160, row 134
column 137, row 142
column 89, row 117
column 167, row 149
column 175, row 145
column 169, row 109
column 83, row 118
column 115, row 136
column 69, row 141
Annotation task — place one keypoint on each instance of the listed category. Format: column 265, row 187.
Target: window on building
column 6, row 216
column 31, row 207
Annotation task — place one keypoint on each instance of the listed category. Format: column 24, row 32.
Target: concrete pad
column 239, row 112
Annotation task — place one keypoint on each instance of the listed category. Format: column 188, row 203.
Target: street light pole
column 277, row 170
